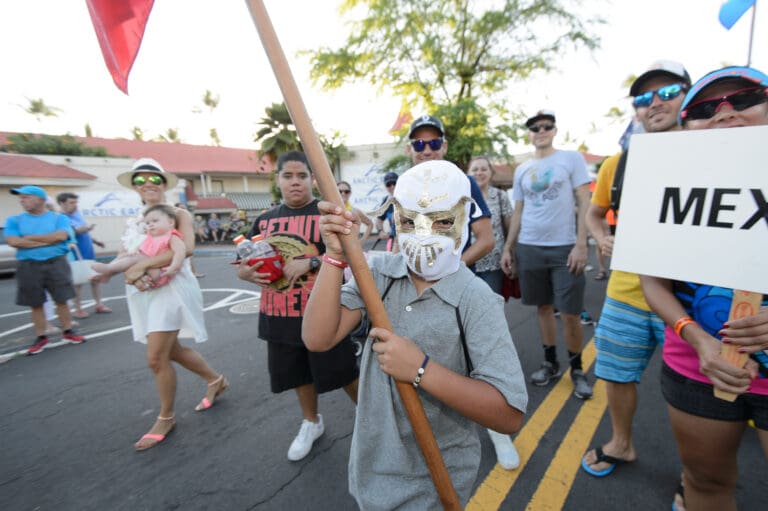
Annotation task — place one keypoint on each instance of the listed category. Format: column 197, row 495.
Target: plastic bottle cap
column 238, row 239
column 256, row 238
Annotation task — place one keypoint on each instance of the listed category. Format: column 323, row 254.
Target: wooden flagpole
column 751, row 34
column 352, row 249
column 744, row 304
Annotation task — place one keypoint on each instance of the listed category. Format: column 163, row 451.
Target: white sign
column 109, row 203
column 367, row 182
column 693, row 208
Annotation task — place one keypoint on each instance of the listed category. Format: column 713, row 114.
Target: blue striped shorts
column 625, row 338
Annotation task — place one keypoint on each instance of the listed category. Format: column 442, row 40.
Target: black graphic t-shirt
column 296, row 233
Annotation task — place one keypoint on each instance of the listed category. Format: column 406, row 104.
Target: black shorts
column 34, row 278
column 293, row 365
column 697, row 398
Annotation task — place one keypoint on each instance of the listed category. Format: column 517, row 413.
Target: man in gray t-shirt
column 547, row 245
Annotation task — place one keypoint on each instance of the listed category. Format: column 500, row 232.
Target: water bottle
column 261, row 248
column 243, row 247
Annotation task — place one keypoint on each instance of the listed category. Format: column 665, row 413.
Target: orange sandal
column 221, row 384
column 156, row 438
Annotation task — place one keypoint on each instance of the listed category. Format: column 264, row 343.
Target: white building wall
column 103, row 202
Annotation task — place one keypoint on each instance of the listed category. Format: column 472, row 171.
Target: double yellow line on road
column 556, row 482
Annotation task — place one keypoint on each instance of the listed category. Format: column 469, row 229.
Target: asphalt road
column 70, row 416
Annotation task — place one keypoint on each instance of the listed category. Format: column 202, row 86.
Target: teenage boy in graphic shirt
column 294, row 226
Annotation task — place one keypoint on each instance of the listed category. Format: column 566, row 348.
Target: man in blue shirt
column 40, row 238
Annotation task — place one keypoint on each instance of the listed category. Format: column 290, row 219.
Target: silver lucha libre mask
column 432, row 202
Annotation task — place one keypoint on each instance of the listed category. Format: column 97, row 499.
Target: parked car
column 7, row 257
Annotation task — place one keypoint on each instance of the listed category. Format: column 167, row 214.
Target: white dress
column 176, row 306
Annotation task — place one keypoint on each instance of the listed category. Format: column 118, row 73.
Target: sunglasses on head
column 538, row 127
column 141, row 180
column 666, row 93
column 419, row 145
column 739, row 100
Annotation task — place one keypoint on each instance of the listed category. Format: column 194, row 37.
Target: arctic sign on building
column 109, row 203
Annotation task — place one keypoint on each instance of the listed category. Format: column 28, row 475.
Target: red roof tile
column 22, row 165
column 215, row 203
column 177, row 158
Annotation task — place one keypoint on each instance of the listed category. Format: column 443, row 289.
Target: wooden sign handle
column 326, row 183
column 744, row 304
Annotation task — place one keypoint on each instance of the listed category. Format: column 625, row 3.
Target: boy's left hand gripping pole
column 352, row 248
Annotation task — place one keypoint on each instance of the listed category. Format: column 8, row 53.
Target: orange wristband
column 682, row 323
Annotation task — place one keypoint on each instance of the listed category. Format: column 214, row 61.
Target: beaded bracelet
column 420, row 372
column 334, row 262
column 682, row 323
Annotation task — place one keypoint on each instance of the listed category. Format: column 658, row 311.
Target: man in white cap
column 547, row 245
column 40, row 238
column 629, row 331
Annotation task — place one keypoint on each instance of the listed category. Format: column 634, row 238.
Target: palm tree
column 210, row 101
column 214, row 137
column 39, row 109
column 171, row 135
column 277, row 134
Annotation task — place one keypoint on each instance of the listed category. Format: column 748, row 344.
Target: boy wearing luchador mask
column 451, row 341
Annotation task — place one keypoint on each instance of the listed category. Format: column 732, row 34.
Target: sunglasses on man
column 666, row 93
column 739, row 100
column 538, row 127
column 419, row 145
column 344, row 191
column 141, row 180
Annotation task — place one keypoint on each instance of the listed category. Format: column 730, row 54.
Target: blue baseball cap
column 30, row 190
column 390, row 177
column 748, row 74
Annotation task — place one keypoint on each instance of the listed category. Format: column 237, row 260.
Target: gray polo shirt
column 386, row 467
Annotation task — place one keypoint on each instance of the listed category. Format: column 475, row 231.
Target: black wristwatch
column 314, row 263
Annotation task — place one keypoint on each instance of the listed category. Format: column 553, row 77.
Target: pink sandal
column 154, row 436
column 222, row 385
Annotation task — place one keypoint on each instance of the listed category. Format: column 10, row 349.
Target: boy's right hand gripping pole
column 352, row 249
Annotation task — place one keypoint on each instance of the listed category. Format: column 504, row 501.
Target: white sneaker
column 302, row 444
column 506, row 454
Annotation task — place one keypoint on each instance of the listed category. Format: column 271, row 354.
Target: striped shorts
column 625, row 338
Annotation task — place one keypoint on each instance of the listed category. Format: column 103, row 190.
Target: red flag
column 404, row 118
column 119, row 28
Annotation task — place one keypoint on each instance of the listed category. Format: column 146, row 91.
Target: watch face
column 314, row 263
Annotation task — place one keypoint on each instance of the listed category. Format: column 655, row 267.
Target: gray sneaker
column 581, row 387
column 545, row 374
